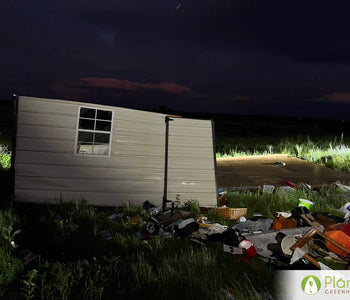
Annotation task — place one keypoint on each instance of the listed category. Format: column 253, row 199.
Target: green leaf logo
column 310, row 285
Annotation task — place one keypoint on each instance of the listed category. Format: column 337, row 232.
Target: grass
column 325, row 200
column 333, row 153
column 5, row 157
column 78, row 264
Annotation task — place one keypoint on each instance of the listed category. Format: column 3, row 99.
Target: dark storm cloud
column 250, row 54
column 167, row 87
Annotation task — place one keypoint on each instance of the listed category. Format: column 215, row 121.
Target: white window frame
column 89, row 130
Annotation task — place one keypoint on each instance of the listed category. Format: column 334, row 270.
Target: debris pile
column 298, row 239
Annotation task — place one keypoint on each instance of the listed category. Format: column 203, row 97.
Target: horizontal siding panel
column 99, row 199
column 150, row 129
column 187, row 132
column 198, row 186
column 129, row 116
column 189, row 175
column 196, row 153
column 90, row 173
column 47, row 106
column 48, row 133
column 178, row 141
column 190, row 123
column 190, row 164
column 45, row 158
column 35, row 144
column 134, row 150
column 204, row 199
column 132, row 138
column 87, row 185
column 50, row 120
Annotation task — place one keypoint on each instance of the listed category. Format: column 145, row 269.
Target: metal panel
column 46, row 132
column 88, row 185
column 94, row 198
column 40, row 145
column 46, row 162
column 47, row 168
column 67, row 159
column 39, row 119
column 98, row 173
column 191, row 166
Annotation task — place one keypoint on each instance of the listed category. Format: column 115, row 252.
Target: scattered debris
column 285, row 189
column 279, row 163
column 346, row 210
column 281, row 222
column 268, row 188
column 249, row 248
column 186, row 227
column 341, row 234
column 290, row 237
column 344, row 188
column 289, row 183
column 258, row 226
column 105, row 234
column 304, row 186
column 306, row 203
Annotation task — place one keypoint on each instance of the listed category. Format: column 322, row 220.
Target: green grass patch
column 332, row 152
column 325, row 200
column 5, row 157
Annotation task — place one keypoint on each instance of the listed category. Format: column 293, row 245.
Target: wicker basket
column 229, row 213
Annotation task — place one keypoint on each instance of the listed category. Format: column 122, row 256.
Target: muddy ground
column 259, row 170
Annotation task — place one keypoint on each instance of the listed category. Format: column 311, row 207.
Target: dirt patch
column 258, row 170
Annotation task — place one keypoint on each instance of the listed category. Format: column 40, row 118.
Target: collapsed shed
column 110, row 155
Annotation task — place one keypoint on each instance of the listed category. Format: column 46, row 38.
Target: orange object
column 283, row 223
column 340, row 233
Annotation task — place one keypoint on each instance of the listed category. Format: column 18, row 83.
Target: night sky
column 225, row 56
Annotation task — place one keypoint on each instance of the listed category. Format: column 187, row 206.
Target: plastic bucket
column 306, row 203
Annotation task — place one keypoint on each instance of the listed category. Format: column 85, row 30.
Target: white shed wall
column 47, row 169
column 191, row 172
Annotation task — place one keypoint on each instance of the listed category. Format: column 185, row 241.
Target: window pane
column 84, row 148
column 103, row 125
column 104, row 115
column 86, row 124
column 101, row 149
column 87, row 113
column 101, row 138
column 86, row 137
